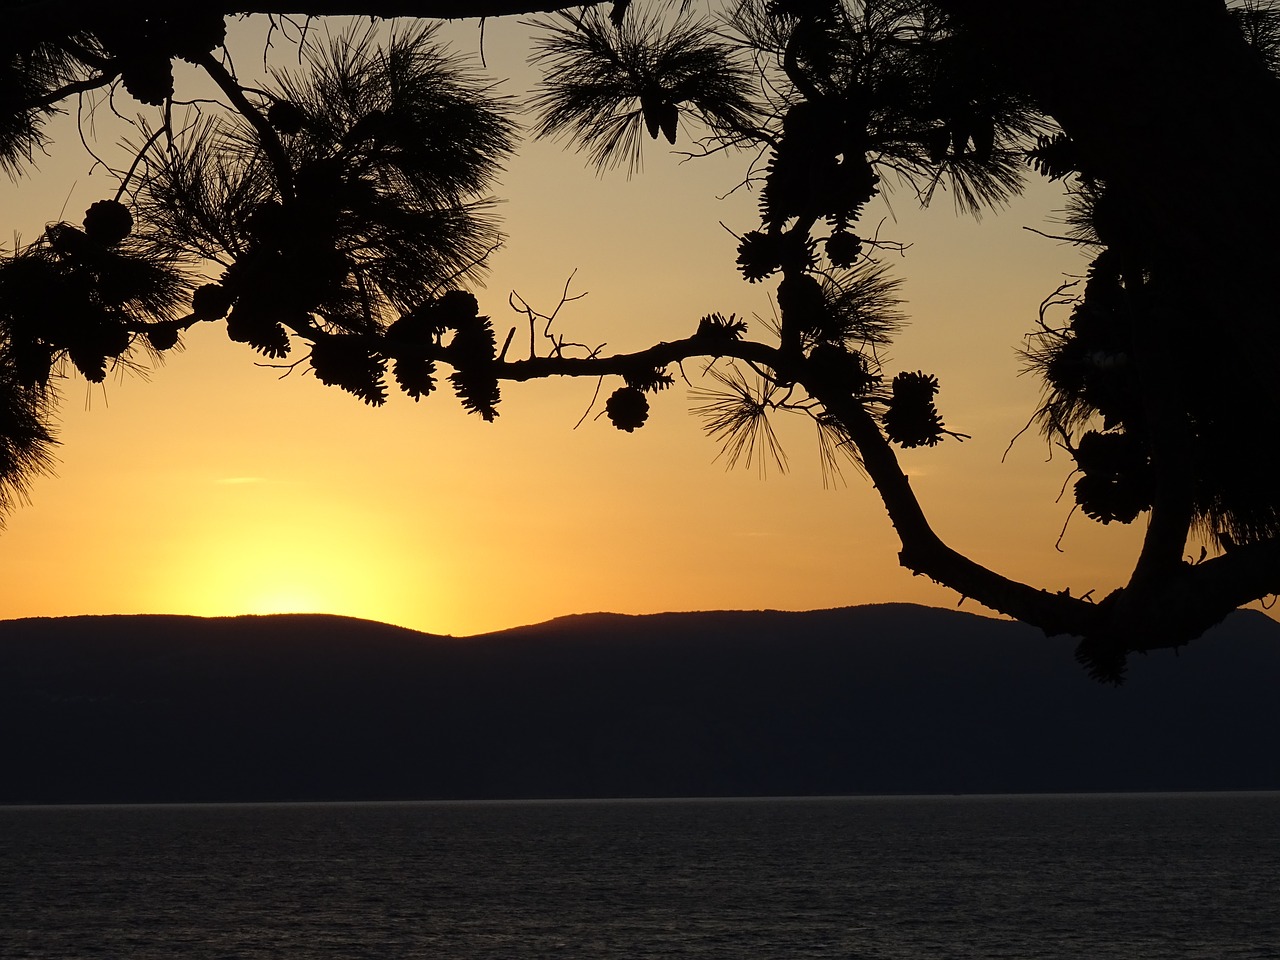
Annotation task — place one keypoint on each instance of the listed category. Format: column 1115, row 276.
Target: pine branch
column 26, row 19
column 706, row 344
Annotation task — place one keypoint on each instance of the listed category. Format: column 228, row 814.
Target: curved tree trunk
column 1168, row 105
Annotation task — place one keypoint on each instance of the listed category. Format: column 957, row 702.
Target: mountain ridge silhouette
column 888, row 698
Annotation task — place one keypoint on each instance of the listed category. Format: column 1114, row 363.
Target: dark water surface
column 1132, row 876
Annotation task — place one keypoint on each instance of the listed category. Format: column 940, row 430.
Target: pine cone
column 1106, row 498
column 912, row 420
column 937, row 142
column 845, row 367
column 340, row 361
column 758, row 255
column 65, row 240
column 286, row 117
column 252, row 325
column 1116, row 483
column 477, row 391
column 473, row 343
column 715, row 325
column 415, row 376
column 112, row 338
column 196, row 33
column 627, row 408
column 855, row 184
column 95, row 340
column 668, row 121
column 149, row 79
column 843, row 249
column 454, row 308
column 91, row 364
column 649, row 379
column 162, row 336
column 108, row 222
column 211, row 301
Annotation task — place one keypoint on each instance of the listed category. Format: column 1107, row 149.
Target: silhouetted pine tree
column 345, row 205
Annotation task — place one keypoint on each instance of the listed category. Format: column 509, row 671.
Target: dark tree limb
column 1162, row 611
column 35, row 19
column 1166, row 611
column 660, row 355
column 271, row 144
column 53, row 98
column 923, row 552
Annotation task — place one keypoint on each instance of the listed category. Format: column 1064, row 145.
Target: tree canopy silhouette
column 344, row 206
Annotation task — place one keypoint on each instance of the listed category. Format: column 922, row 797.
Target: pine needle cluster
column 735, row 414
column 389, row 148
column 30, row 83
column 606, row 85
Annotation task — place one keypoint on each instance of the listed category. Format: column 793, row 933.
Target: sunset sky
column 218, row 488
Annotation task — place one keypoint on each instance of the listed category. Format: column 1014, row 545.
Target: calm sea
column 1132, row 876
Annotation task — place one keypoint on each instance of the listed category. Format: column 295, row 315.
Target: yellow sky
column 216, row 488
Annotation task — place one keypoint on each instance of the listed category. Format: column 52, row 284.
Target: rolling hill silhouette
column 876, row 699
